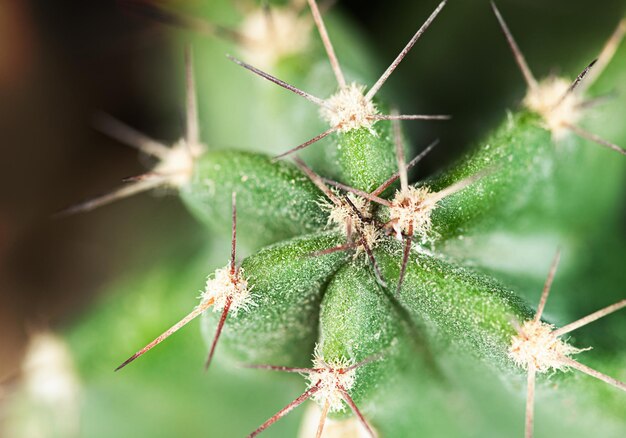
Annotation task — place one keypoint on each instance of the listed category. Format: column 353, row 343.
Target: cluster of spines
column 329, row 385
column 349, row 109
column 226, row 291
column 560, row 102
column 538, row 347
column 175, row 164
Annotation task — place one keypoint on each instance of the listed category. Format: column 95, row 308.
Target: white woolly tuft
column 177, row 165
column 222, row 285
column 277, row 36
column 340, row 215
column 544, row 100
column 49, row 374
column 349, row 109
column 536, row 344
column 331, row 379
column 411, row 210
column 52, row 385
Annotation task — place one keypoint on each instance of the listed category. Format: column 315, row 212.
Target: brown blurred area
column 60, row 62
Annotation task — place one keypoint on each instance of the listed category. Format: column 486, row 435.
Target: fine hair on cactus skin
column 559, row 102
column 175, row 164
column 538, row 348
column 329, row 386
column 349, row 108
column 227, row 291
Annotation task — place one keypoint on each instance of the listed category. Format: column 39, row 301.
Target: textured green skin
column 530, row 183
column 472, row 312
column 275, row 201
column 358, row 321
column 366, row 158
column 140, row 309
column 520, row 159
column 288, row 284
column 563, row 185
column 519, row 166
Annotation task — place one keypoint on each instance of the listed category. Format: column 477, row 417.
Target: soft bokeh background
column 62, row 61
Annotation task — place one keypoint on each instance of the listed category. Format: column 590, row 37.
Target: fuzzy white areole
column 227, row 291
column 333, row 380
column 557, row 107
column 273, row 33
column 561, row 102
column 351, row 215
column 329, row 385
column 228, row 285
column 538, row 347
column 174, row 165
column 350, row 107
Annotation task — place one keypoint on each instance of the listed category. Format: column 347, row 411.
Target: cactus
column 371, row 286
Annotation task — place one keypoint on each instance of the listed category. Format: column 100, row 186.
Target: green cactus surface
column 386, row 300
